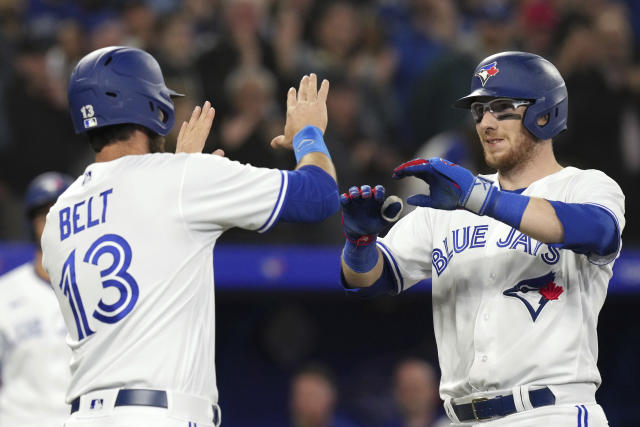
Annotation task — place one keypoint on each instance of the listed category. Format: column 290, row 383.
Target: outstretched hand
column 450, row 185
column 307, row 106
column 193, row 135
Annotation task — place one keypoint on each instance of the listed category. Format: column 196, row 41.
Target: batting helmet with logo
column 45, row 189
column 522, row 75
column 119, row 84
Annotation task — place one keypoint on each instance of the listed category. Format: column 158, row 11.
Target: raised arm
column 305, row 125
column 584, row 228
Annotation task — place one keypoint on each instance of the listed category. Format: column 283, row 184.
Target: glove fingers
column 420, row 200
column 410, row 168
column 378, row 193
column 344, row 199
column 354, row 192
column 365, row 191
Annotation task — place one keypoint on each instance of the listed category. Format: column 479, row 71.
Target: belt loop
column 449, row 410
column 516, row 392
column 526, row 401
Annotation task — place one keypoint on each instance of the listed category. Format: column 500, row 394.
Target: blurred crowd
column 395, row 67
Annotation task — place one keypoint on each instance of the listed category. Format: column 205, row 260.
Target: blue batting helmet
column 120, row 84
column 522, row 75
column 45, row 189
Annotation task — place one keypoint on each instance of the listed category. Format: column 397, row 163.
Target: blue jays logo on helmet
column 536, row 292
column 486, row 72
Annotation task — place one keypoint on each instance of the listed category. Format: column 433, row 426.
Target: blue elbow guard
column 312, row 196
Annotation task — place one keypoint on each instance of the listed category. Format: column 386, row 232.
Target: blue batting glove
column 451, row 186
column 366, row 212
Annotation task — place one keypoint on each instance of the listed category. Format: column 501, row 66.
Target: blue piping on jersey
column 277, row 208
column 396, row 270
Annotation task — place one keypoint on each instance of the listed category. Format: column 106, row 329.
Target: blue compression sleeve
column 312, row 195
column 587, row 228
column 385, row 285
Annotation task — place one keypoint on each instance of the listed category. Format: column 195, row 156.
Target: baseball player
column 129, row 246
column 519, row 260
column 34, row 358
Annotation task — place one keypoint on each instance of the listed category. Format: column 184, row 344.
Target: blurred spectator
column 254, row 119
column 139, row 22
column 539, row 19
column 63, row 56
column 242, row 44
column 415, row 389
column 336, row 35
column 174, row 48
column 353, row 136
column 108, row 30
column 40, row 127
column 313, row 399
column 419, row 30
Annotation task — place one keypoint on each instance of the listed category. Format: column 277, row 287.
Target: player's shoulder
column 588, row 177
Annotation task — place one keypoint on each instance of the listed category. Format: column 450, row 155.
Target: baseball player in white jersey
column 34, row 358
column 129, row 246
column 519, row 260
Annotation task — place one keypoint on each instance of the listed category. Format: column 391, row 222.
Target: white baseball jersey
column 129, row 247
column 34, row 358
column 508, row 310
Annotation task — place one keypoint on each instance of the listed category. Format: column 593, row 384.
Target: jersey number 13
column 114, row 276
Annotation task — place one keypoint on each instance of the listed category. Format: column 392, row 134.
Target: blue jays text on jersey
column 84, row 214
column 471, row 238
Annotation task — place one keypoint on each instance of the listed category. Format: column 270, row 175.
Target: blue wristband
column 309, row 140
column 507, row 207
column 360, row 259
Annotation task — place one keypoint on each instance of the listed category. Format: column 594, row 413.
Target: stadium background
column 395, row 66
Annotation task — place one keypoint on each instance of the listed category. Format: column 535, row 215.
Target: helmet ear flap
column 557, row 119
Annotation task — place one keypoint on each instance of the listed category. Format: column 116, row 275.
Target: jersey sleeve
column 407, row 249
column 594, row 187
column 217, row 193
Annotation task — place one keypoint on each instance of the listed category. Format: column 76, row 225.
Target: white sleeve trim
column 275, row 213
column 394, row 266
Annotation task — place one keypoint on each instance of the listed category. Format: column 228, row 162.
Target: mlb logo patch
column 97, row 403
column 91, row 122
column 486, row 72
